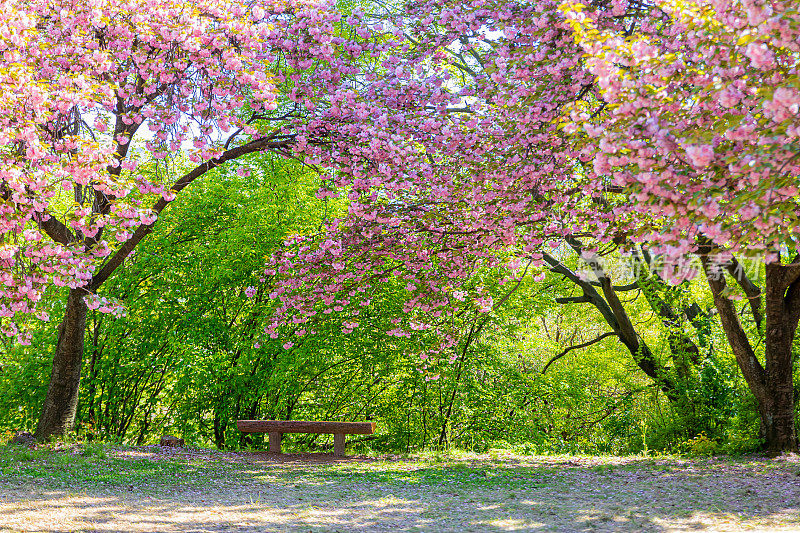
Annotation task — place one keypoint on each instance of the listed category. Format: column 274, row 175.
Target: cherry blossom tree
column 460, row 163
column 700, row 128
column 109, row 110
column 501, row 129
column 436, row 165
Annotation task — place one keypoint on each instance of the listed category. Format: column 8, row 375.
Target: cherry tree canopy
column 461, row 161
column 701, row 121
column 501, row 127
column 104, row 105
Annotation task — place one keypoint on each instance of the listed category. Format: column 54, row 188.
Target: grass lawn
column 99, row 488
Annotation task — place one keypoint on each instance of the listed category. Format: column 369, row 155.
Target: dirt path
column 150, row 490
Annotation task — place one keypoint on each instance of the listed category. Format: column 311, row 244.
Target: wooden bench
column 276, row 429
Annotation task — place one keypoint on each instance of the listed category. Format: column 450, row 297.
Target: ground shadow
column 216, row 492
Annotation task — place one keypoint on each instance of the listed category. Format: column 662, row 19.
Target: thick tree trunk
column 61, row 402
column 777, row 418
column 771, row 384
column 777, row 406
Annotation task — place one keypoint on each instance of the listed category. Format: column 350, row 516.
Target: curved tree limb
column 613, row 312
column 577, row 347
column 751, row 367
column 127, row 247
column 737, row 272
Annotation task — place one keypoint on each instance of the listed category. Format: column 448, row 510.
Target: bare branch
column 577, row 347
column 620, row 288
column 751, row 367
column 57, row 231
column 737, row 272
column 751, row 290
column 574, row 300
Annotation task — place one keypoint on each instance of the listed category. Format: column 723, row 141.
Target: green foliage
column 12, row 455
column 94, row 449
column 700, row 446
column 190, row 357
column 24, row 372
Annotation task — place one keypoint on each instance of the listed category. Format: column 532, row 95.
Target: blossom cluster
column 104, row 106
column 499, row 128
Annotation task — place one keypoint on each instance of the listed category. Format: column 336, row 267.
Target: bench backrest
column 305, row 426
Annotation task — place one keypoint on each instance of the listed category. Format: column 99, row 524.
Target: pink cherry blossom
column 700, row 155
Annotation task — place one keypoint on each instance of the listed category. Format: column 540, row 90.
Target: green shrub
column 700, row 446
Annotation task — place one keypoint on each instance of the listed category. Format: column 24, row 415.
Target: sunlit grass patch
column 446, row 492
column 92, row 466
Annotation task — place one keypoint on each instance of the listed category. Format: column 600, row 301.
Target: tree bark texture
column 782, row 310
column 61, row 402
column 771, row 383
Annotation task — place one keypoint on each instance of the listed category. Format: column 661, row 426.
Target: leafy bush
column 700, row 445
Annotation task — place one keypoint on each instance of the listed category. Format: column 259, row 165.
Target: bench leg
column 338, row 444
column 275, row 442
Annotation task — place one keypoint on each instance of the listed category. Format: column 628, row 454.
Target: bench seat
column 276, row 429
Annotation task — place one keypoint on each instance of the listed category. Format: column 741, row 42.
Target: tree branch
column 626, row 329
column 751, row 290
column 574, row 300
column 793, row 271
column 749, row 364
column 127, row 247
column 58, row 231
column 737, row 272
column 653, row 286
column 620, row 288
column 614, row 313
column 577, row 347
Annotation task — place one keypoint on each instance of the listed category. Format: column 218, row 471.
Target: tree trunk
column 220, row 426
column 61, row 402
column 772, row 383
column 777, row 407
column 777, row 418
